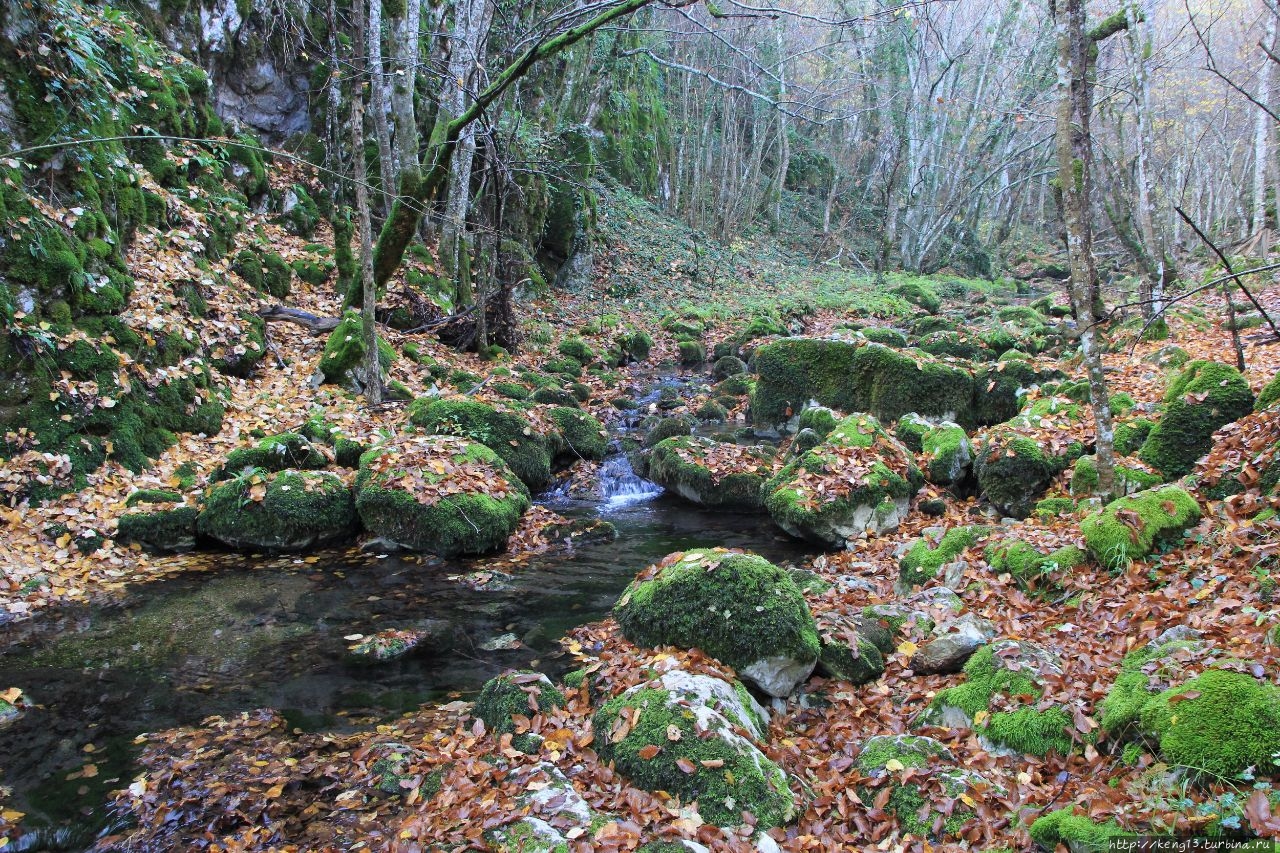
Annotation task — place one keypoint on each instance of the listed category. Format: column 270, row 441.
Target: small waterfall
column 620, row 486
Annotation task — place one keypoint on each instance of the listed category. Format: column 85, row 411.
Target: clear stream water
column 270, row 633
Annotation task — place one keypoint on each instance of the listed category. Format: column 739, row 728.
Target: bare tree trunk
column 1151, row 292
column 1075, row 155
column 467, row 47
column 372, row 370
column 1261, row 136
column 378, row 102
column 403, row 83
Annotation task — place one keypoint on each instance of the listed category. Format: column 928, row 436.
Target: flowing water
column 270, row 633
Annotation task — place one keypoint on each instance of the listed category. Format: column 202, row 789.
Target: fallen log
column 317, row 324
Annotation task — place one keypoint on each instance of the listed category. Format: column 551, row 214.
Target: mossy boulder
column 554, row 397
column 712, row 411
column 1003, row 682
column 859, row 480
column 1217, row 725
column 440, row 494
column 652, row 734
column 918, row 293
column 947, row 454
column 633, row 347
column 676, row 425
column 854, row 659
column 692, row 353
column 953, row 345
column 516, row 693
column 1203, row 397
column 550, row 806
column 1130, row 528
column 578, row 350
column 282, row 511
column 923, row 562
column 1031, row 569
column 729, row 365
column 274, row 453
column 884, row 335
column 578, row 435
column 1017, row 461
column 712, row 474
column 342, row 362
column 857, row 378
column 1268, row 396
column 736, row 607
column 503, row 431
column 1145, row 673
column 909, row 801
column 171, row 530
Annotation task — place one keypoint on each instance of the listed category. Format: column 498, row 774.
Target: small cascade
column 620, row 486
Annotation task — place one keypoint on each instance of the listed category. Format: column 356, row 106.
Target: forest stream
column 260, row 631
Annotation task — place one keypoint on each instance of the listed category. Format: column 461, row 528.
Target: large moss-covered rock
column 170, row 529
column 1131, row 527
column 1003, row 680
column 440, row 494
column 736, row 607
column 1033, row 570
column 688, row 748
column 274, row 453
column 854, row 377
column 1204, row 396
column 859, row 480
column 342, row 362
column 1146, row 673
column 1218, row 724
column 1018, row 460
column 578, row 435
column 1128, row 478
column 947, row 455
column 505, row 432
column 710, row 473
column 282, row 511
column 851, row 657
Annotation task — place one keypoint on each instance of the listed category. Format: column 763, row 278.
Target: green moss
column 922, row 563
column 918, row 293
column 1014, row 470
column 735, row 489
column 163, row 530
column 740, row 779
column 1225, row 723
column 712, row 411
column 512, row 694
column 344, row 351
column 152, row 496
column 577, row 349
column 458, row 522
column 275, row 453
column 304, row 216
column 1269, row 394
column 851, row 378
column 506, row 433
column 671, row 427
column 286, row 511
column 692, row 353
column 1030, row 731
column 909, row 750
column 633, row 347
column 1131, row 528
column 1204, row 396
column 1031, row 569
column 738, row 608
column 882, row 335
column 554, row 397
column 1155, row 663
column 819, row 419
column 579, row 435
column 511, row 390
column 1130, row 435
column 952, row 344
column 1084, row 478
column 985, row 678
column 875, row 484
column 947, row 454
column 858, row 664
column 1077, row 832
column 277, row 275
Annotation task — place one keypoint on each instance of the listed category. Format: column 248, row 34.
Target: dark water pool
column 270, row 633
